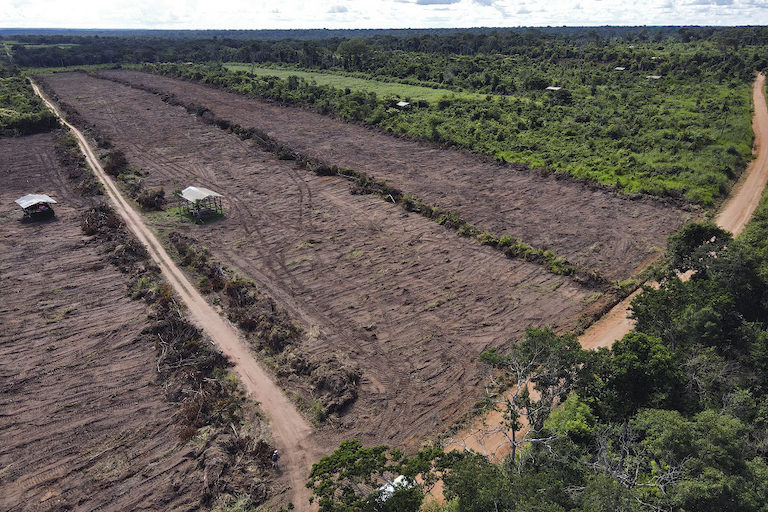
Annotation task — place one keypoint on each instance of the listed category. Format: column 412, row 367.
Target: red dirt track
column 408, row 301
column 595, row 229
column 83, row 421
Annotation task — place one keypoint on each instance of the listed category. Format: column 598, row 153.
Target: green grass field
column 10, row 45
column 382, row 89
column 65, row 69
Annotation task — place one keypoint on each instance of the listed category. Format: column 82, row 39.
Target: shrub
column 115, row 162
column 152, row 199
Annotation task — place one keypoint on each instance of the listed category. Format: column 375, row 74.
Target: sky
column 288, row 14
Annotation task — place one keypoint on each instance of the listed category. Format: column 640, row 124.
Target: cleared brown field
column 408, row 301
column 84, row 422
column 594, row 228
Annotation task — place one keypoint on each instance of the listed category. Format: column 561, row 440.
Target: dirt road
column 292, row 433
column 733, row 217
column 746, row 194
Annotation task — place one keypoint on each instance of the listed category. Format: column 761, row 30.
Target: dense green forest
column 317, row 47
column 673, row 417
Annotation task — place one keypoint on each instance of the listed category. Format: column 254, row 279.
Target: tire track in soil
column 275, row 283
column 246, row 218
column 292, row 433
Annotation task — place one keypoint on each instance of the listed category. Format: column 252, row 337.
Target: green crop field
column 381, row 88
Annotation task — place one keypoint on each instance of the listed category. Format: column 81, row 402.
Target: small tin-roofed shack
column 619, row 68
column 201, row 203
column 37, row 206
column 653, row 77
column 553, row 88
column 402, row 104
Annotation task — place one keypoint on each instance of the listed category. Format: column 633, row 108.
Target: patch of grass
column 317, row 411
column 60, row 315
column 340, row 81
column 167, row 217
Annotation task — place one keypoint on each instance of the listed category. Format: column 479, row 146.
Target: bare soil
column 408, row 301
column 84, row 422
column 593, row 227
column 290, row 428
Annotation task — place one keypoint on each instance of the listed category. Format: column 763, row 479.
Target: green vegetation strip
column 340, row 81
column 512, row 247
column 49, row 70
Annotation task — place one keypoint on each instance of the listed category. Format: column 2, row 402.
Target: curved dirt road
column 733, row 216
column 292, row 434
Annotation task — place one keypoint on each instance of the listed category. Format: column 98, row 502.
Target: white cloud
column 286, row 14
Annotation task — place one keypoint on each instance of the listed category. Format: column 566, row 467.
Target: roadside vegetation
column 685, row 134
column 21, row 111
column 327, row 385
column 222, row 429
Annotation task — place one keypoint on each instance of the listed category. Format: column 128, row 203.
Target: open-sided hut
column 37, row 206
column 201, row 203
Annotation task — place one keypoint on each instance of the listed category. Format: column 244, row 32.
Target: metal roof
column 402, row 103
column 33, row 199
column 193, row 194
column 553, row 88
